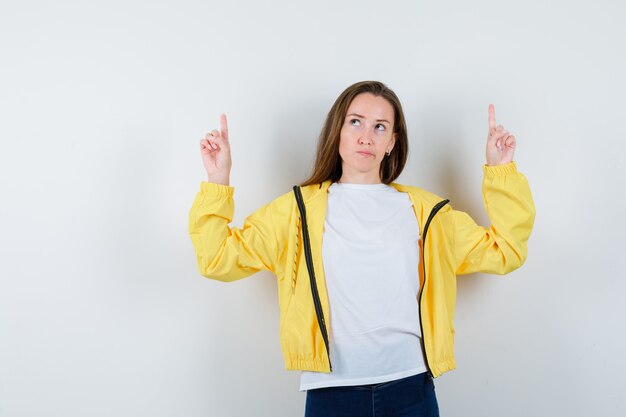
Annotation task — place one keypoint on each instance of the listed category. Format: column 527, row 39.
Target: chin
column 363, row 168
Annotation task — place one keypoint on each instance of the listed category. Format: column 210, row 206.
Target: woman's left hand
column 500, row 143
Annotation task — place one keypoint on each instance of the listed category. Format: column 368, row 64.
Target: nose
column 365, row 139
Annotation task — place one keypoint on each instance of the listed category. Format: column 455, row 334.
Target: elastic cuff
column 495, row 170
column 214, row 189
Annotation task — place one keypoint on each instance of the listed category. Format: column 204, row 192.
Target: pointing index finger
column 224, row 126
column 492, row 117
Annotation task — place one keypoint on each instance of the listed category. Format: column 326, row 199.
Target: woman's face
column 366, row 136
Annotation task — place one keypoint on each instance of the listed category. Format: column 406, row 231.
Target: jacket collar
column 316, row 196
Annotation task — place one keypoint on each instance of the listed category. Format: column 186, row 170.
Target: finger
column 492, row 117
column 499, row 132
column 224, row 126
column 497, row 139
column 501, row 136
column 218, row 140
column 504, row 142
column 205, row 144
column 212, row 137
column 510, row 141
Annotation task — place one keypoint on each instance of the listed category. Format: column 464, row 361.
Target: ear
column 392, row 142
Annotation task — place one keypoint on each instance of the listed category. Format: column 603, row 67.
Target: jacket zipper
column 432, row 214
column 309, row 263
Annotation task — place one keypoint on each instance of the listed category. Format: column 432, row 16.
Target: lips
column 365, row 153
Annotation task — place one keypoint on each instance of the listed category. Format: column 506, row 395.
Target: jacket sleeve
column 229, row 253
column 502, row 247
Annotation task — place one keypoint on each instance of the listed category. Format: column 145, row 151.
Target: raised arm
column 222, row 252
column 502, row 247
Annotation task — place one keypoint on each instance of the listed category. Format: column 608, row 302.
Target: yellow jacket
column 272, row 239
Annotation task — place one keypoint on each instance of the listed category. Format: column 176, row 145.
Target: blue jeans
column 413, row 396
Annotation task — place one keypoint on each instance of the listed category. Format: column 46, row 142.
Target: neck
column 360, row 178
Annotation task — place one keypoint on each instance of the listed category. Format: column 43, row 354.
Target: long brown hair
column 328, row 161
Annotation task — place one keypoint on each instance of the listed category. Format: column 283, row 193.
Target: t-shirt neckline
column 354, row 186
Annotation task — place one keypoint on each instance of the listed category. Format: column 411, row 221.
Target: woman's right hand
column 215, row 150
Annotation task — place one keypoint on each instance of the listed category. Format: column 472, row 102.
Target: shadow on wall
column 295, row 139
column 450, row 171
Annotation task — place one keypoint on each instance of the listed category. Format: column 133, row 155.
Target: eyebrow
column 363, row 117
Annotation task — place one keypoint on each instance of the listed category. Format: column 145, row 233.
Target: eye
column 381, row 127
column 355, row 120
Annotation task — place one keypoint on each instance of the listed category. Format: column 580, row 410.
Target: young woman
column 366, row 267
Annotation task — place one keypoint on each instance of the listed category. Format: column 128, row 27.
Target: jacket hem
column 443, row 366
column 307, row 365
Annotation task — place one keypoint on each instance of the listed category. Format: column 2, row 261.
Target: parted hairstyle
column 327, row 159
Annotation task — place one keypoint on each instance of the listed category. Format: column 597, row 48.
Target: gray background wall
column 102, row 106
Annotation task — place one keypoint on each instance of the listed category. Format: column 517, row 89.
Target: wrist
column 218, row 179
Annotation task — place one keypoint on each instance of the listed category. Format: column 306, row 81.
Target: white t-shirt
column 370, row 253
